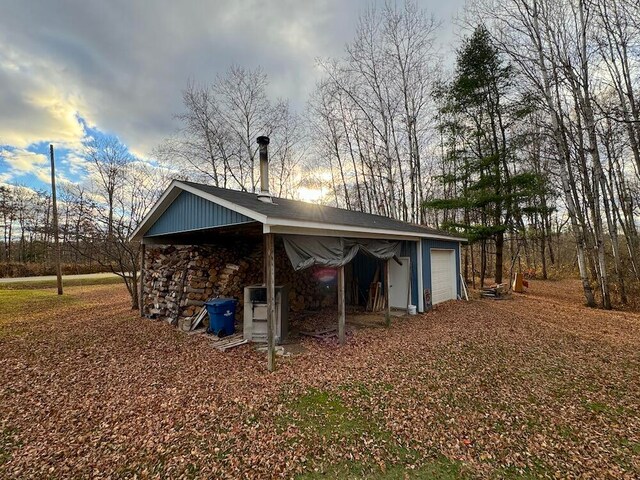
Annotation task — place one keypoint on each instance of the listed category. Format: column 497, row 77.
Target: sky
column 73, row 69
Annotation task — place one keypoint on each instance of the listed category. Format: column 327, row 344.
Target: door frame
column 454, row 276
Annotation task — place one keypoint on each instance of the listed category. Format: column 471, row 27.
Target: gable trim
column 172, row 192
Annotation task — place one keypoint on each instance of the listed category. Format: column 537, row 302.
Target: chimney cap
column 262, row 140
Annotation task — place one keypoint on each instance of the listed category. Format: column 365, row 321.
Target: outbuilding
column 200, row 241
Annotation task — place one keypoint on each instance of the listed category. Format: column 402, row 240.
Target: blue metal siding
column 191, row 212
column 427, row 245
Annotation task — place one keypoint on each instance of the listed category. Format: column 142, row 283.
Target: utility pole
column 55, row 222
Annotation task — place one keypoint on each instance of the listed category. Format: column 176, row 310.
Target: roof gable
column 190, row 212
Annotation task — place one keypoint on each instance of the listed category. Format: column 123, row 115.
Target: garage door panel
column 443, row 285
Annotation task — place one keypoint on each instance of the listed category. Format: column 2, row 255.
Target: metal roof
column 293, row 213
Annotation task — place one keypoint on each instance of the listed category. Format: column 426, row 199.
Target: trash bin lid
column 220, row 301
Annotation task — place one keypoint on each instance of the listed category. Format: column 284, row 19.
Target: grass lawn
column 534, row 387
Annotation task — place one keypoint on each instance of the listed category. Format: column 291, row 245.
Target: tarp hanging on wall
column 305, row 251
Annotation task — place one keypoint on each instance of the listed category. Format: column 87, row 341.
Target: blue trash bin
column 222, row 316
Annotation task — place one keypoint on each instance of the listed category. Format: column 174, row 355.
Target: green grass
column 323, row 413
column 323, row 416
column 634, row 447
column 72, row 282
column 604, row 409
column 7, row 444
column 439, row 469
column 16, row 302
column 16, row 307
column 527, row 473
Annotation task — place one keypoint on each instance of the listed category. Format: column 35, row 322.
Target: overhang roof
column 292, row 216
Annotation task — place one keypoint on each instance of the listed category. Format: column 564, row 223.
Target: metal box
column 255, row 313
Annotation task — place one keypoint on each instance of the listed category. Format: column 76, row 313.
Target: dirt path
column 533, row 387
column 48, row 278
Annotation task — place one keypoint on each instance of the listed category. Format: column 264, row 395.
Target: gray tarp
column 305, row 251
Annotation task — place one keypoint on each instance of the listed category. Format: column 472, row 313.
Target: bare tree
column 109, row 160
column 221, row 121
column 119, row 191
column 371, row 112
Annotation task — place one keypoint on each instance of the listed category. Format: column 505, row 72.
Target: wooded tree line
column 528, row 143
column 576, row 61
column 535, row 127
column 96, row 217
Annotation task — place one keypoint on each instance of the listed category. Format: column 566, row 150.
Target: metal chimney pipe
column 264, row 194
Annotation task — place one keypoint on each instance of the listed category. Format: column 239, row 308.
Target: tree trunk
column 499, row 256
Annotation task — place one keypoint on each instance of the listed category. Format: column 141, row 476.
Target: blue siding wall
column 191, row 212
column 364, row 268
column 427, row 245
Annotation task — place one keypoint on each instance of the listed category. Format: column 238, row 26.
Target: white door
column 443, row 276
column 399, row 278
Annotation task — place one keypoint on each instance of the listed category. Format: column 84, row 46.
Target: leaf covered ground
column 534, row 387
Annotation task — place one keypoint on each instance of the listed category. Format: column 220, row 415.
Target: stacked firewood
column 178, row 280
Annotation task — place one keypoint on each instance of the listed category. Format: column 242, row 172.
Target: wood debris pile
column 495, row 291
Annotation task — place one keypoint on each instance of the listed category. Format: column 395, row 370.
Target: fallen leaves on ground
column 537, row 385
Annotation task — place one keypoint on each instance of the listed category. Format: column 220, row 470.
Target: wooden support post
column 264, row 259
column 341, row 305
column 141, row 279
column 271, row 300
column 387, row 314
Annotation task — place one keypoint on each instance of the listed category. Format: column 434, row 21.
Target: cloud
column 121, row 65
column 34, row 106
column 20, row 163
column 75, row 163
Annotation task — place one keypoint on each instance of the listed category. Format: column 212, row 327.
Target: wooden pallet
column 225, row 343
column 322, row 334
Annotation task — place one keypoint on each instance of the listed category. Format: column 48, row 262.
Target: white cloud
column 34, row 103
column 121, row 66
column 75, row 163
column 21, row 162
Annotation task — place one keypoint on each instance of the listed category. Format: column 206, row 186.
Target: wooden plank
column 387, row 314
column 200, row 317
column 341, row 305
column 230, row 339
column 318, row 333
column 223, row 345
column 464, row 287
column 230, row 345
column 322, row 335
column 271, row 300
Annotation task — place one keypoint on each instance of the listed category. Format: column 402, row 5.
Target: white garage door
column 443, row 276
